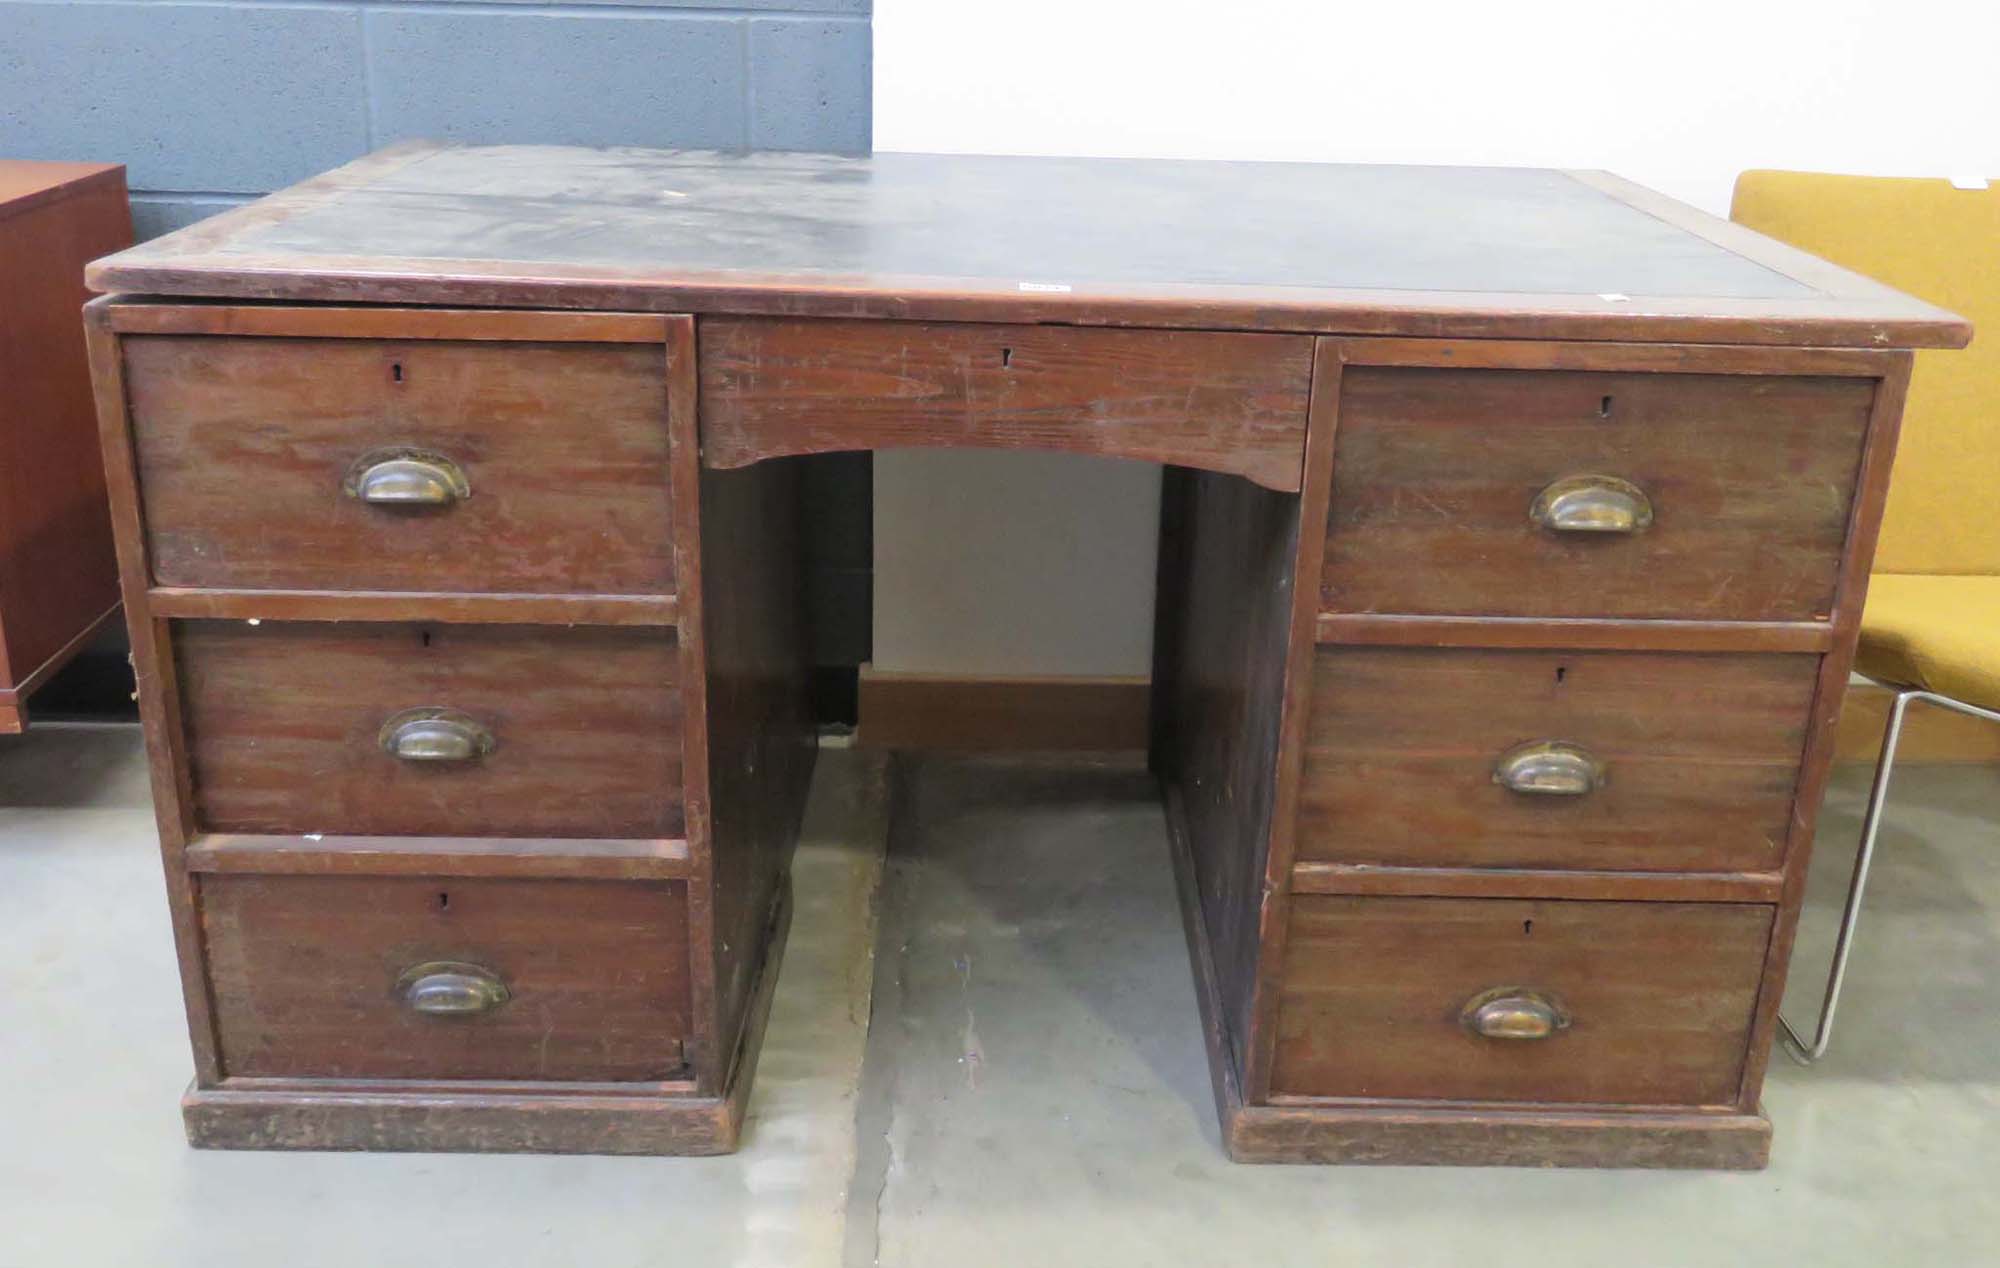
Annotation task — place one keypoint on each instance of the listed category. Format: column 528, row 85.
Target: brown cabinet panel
column 58, row 577
column 284, row 724
column 1234, row 403
column 311, row 976
column 1748, row 479
column 1655, row 999
column 243, row 445
column 1697, row 758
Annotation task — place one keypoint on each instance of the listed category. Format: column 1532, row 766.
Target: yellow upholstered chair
column 1931, row 626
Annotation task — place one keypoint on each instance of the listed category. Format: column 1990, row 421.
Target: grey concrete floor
column 1033, row 1089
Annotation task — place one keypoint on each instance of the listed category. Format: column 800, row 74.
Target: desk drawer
column 1437, row 473
column 548, row 732
column 255, row 458
column 447, row 978
column 1683, row 762
column 1225, row 402
column 1650, row 1002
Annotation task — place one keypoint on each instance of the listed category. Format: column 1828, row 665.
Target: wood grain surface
column 1660, row 996
column 1701, row 755
column 1223, row 402
column 1223, row 628
column 243, row 444
column 283, row 722
column 305, row 971
column 1751, row 481
column 762, row 743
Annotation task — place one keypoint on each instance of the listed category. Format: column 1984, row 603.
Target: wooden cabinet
column 58, row 583
column 1502, row 625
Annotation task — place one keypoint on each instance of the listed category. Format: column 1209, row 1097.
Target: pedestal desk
column 1516, row 525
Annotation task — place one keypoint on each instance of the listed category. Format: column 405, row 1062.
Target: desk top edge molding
column 1822, row 305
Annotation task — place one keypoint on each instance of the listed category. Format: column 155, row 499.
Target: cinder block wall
column 209, row 105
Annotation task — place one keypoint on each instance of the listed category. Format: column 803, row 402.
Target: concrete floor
column 1033, row 1090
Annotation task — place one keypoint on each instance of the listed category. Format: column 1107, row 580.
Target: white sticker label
column 1964, row 180
column 1613, row 297
column 1046, row 288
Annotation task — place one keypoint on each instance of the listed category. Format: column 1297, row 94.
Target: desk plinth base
column 1402, row 1135
column 375, row 1117
column 1494, row 1138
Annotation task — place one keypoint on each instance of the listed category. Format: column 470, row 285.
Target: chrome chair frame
column 1871, row 826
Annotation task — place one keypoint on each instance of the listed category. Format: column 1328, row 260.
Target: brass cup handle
column 1514, row 1012
column 1549, row 768
column 405, row 477
column 435, row 735
column 448, row 988
column 1592, row 504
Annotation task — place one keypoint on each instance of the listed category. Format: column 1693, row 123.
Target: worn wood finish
column 1576, row 633
column 382, row 1121
column 1865, row 524
column 761, row 739
column 423, row 605
column 156, row 684
column 1221, row 402
column 1515, row 323
column 140, row 317
column 625, row 859
column 1512, row 1138
column 243, row 445
column 1313, row 877
column 1660, row 996
column 1225, row 623
column 484, row 1117
column 306, row 973
column 1274, row 917
column 1435, row 1135
column 708, row 1048
column 1751, row 480
column 58, row 578
column 1700, row 755
column 283, row 723
column 1475, row 253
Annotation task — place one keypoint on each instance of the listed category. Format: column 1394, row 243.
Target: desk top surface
column 1513, row 252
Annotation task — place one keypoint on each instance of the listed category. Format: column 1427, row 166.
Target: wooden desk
column 58, row 585
column 1515, row 533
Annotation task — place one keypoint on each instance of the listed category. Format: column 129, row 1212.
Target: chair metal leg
column 1871, row 826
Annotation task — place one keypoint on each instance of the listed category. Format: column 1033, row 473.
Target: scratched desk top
column 1352, row 249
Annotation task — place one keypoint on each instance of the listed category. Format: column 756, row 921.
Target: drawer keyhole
column 1527, row 926
column 1604, row 408
column 1562, row 672
column 444, row 900
column 396, row 374
column 1006, row 357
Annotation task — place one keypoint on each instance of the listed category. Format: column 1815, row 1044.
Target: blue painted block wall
column 210, row 104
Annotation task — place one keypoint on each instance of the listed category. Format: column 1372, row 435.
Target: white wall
column 1677, row 96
